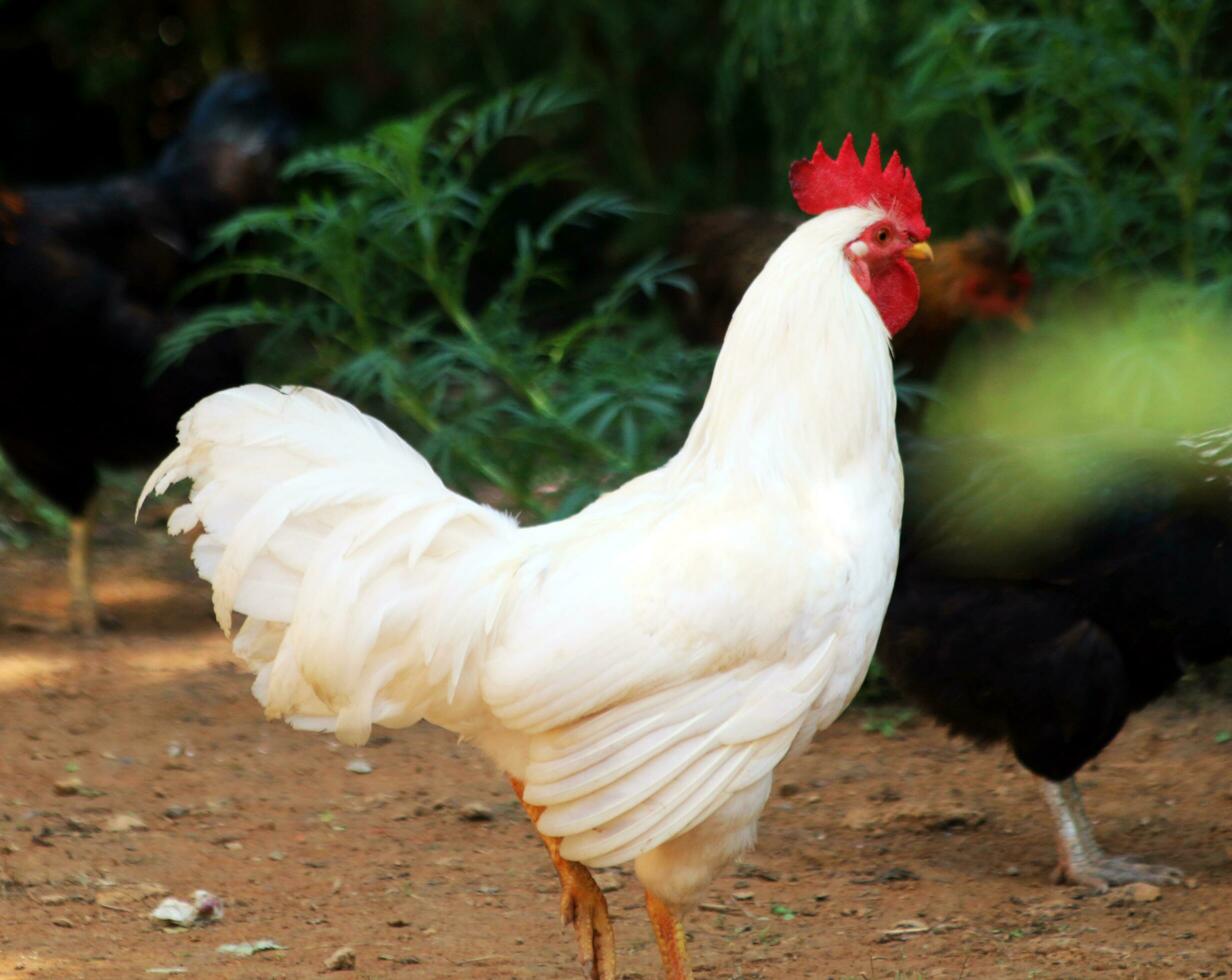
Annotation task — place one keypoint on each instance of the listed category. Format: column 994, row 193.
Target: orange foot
column 582, row 905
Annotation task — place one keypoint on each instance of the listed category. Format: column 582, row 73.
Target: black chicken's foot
column 1081, row 861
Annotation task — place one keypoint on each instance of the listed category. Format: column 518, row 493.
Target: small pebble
column 359, row 766
column 175, row 811
column 69, row 786
column 1137, row 893
column 62, row 923
column 341, row 959
column 120, row 823
column 476, row 812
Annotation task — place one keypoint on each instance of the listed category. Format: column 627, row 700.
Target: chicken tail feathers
column 366, row 586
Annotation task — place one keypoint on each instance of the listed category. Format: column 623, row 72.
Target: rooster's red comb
column 821, row 184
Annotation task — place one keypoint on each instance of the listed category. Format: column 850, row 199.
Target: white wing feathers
column 367, row 584
column 373, row 594
column 622, row 782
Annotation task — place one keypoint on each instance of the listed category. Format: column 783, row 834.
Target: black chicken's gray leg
column 1081, row 861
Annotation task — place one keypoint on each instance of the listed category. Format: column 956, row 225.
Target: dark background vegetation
column 505, row 306
column 1100, row 129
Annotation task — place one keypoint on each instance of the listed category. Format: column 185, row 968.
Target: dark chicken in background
column 87, row 279
column 974, row 278
column 1048, row 640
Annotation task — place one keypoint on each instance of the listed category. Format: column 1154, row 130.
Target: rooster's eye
column 883, row 236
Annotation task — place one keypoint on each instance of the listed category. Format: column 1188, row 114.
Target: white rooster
column 639, row 668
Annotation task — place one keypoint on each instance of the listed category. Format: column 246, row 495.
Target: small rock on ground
column 121, row 823
column 1136, row 893
column 341, row 959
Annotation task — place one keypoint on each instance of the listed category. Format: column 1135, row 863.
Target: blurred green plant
column 1114, row 386
column 23, row 509
column 406, row 297
column 1148, row 360
column 807, row 70
column 888, row 722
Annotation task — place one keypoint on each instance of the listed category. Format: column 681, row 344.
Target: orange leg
column 582, row 904
column 669, row 934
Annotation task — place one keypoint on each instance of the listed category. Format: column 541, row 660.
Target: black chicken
column 87, row 275
column 1047, row 634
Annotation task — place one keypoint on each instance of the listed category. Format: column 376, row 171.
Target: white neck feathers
column 803, row 385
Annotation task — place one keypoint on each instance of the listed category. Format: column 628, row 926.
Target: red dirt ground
column 911, row 856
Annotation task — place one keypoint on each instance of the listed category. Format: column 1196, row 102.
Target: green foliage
column 1107, row 125
column 814, row 70
column 1102, row 131
column 404, row 288
column 22, row 508
column 889, row 721
column 877, row 690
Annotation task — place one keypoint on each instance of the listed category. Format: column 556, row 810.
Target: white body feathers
column 643, row 665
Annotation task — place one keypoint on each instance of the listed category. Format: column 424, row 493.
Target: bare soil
column 911, row 855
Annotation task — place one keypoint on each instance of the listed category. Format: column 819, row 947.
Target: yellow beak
column 920, row 250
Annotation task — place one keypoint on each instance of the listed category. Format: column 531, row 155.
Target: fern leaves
column 404, row 278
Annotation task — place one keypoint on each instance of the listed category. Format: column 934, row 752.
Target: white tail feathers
column 368, row 587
